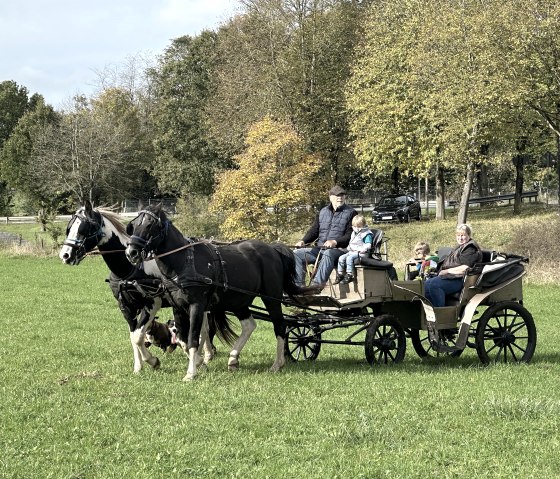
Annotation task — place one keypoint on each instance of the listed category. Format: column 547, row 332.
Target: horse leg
column 138, row 337
column 248, row 325
column 205, row 346
column 275, row 310
column 197, row 316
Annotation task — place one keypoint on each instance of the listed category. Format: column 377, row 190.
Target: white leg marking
column 136, row 353
column 194, row 360
column 138, row 337
column 280, row 357
column 247, row 327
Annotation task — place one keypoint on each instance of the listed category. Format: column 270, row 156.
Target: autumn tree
column 18, row 164
column 531, row 56
column 290, row 60
column 96, row 152
column 14, row 102
column 425, row 93
column 185, row 158
column 269, row 195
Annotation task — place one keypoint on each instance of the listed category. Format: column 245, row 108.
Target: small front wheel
column 506, row 332
column 302, row 343
column 385, row 341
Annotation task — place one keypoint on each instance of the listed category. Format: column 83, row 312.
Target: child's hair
column 358, row 221
column 422, row 246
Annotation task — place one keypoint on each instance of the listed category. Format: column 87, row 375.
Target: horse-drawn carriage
column 380, row 312
column 488, row 314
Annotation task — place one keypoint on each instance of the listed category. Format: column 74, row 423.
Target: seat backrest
column 443, row 251
column 376, row 242
column 488, row 255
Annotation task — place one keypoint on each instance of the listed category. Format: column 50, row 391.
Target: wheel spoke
column 522, row 350
column 512, row 352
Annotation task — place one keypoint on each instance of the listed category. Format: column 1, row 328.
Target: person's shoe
column 347, row 279
column 339, row 278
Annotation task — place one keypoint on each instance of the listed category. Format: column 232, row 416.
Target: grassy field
column 71, row 407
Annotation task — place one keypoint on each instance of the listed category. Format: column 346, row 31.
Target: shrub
column 194, row 219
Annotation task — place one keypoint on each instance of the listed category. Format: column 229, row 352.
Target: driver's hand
column 330, row 244
column 299, row 244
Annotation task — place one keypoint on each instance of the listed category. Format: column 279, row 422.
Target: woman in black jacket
column 453, row 267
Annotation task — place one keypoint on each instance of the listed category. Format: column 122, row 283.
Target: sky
column 58, row 47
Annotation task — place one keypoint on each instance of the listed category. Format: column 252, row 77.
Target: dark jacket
column 332, row 225
column 466, row 254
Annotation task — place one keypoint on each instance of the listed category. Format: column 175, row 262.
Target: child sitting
column 423, row 261
column 360, row 243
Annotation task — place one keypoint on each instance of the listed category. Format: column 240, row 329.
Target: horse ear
column 88, row 208
column 129, row 229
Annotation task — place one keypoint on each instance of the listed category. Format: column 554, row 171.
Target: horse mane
column 113, row 218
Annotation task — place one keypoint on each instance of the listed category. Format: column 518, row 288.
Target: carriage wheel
column 302, row 343
column 385, row 341
column 421, row 344
column 506, row 332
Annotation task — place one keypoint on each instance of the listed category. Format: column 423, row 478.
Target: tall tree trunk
column 519, row 177
column 427, row 197
column 518, row 161
column 440, row 194
column 464, row 204
column 395, row 181
column 482, row 180
column 558, row 169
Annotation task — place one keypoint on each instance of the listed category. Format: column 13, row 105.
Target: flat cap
column 337, row 190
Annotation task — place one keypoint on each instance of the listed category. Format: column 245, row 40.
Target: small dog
column 161, row 335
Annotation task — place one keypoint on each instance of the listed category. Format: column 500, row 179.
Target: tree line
column 251, row 122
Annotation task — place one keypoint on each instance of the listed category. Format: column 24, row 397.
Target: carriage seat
column 453, row 299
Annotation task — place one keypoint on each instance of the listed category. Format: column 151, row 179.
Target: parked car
column 400, row 208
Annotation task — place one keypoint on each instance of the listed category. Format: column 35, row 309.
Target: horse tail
column 289, row 276
column 220, row 324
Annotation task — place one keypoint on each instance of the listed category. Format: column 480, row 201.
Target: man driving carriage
column 330, row 232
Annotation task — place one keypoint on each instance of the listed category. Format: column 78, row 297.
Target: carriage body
column 486, row 315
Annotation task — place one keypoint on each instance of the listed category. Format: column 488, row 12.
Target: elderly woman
column 453, row 267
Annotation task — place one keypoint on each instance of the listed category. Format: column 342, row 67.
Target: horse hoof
column 188, row 378
column 157, row 364
column 233, row 367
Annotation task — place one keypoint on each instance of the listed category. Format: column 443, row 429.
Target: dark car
column 397, row 208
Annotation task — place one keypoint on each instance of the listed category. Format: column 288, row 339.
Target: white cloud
column 54, row 47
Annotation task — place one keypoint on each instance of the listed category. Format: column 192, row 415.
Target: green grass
column 71, row 407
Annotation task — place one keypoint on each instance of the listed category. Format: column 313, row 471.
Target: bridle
column 90, row 240
column 148, row 245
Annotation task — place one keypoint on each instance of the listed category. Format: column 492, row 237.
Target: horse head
column 83, row 233
column 146, row 232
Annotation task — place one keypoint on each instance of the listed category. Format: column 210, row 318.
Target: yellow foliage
column 271, row 192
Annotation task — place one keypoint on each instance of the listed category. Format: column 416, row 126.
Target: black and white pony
column 201, row 276
column 139, row 291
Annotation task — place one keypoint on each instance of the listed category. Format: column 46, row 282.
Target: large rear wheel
column 506, row 332
column 385, row 341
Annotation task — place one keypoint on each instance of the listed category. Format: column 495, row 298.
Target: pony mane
column 113, row 218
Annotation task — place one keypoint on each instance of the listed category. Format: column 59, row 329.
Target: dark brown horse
column 201, row 276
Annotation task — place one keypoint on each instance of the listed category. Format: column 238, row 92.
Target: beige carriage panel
column 401, row 295
column 510, row 292
column 370, row 284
